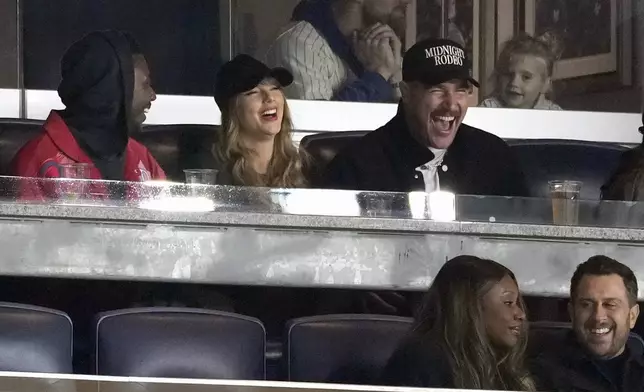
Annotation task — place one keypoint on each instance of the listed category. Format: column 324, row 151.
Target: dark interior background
column 179, row 37
column 8, row 45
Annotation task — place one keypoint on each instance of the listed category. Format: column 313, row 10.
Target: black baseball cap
column 434, row 61
column 244, row 73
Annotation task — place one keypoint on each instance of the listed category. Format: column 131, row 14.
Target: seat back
column 15, row 133
column 177, row 147
column 324, row 146
column 179, row 343
column 35, row 339
column 180, row 146
column 342, row 348
column 544, row 160
column 549, row 335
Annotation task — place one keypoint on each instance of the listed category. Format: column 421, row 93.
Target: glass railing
column 173, row 197
column 33, row 382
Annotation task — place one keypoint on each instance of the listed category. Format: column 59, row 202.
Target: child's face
column 525, row 80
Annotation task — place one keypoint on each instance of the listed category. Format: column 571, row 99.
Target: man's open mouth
column 443, row 124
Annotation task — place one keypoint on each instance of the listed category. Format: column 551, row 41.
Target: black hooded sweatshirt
column 97, row 88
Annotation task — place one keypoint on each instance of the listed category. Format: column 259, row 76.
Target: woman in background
column 627, row 182
column 523, row 73
column 255, row 147
column 471, row 332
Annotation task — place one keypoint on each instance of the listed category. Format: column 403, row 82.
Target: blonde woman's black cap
column 244, row 73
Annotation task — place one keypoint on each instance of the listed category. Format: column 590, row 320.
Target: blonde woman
column 255, row 147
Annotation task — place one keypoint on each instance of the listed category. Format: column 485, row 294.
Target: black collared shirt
column 566, row 367
column 613, row 368
column 477, row 163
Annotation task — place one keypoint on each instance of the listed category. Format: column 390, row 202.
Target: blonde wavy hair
column 286, row 167
column 548, row 46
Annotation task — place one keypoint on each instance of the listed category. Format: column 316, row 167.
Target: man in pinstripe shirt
column 344, row 50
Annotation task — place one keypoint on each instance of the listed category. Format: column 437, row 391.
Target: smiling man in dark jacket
column 426, row 146
column 600, row 354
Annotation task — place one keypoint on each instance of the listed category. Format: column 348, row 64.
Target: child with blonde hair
column 523, row 73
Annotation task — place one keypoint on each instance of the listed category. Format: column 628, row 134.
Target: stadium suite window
column 180, row 38
column 8, row 45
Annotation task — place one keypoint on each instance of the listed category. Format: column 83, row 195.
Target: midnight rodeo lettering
column 445, row 55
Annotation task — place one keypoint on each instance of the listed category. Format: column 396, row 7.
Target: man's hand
column 378, row 49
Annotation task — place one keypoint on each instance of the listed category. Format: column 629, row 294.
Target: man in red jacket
column 106, row 91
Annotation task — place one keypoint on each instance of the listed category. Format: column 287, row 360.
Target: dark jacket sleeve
column 519, row 186
column 195, row 153
column 340, row 173
column 514, row 181
column 543, row 374
column 418, row 364
column 371, row 87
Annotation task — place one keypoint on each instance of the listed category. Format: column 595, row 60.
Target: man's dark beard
column 397, row 24
column 134, row 126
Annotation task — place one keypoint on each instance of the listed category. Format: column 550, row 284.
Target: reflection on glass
column 442, row 206
column 436, row 206
column 179, row 204
column 326, row 203
column 21, row 382
column 418, row 205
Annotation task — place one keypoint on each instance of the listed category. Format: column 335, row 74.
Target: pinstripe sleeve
column 300, row 51
column 308, row 56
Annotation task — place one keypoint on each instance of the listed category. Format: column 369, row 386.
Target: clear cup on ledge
column 199, row 179
column 377, row 207
column 201, row 176
column 565, row 201
column 73, row 184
